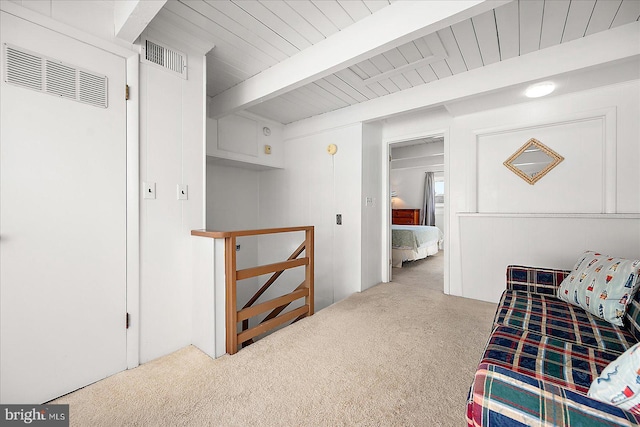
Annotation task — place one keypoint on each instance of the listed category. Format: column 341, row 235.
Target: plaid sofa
column 542, row 356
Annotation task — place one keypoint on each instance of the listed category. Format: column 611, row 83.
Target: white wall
column 171, row 153
column 240, row 139
column 537, row 240
column 233, row 204
column 232, row 197
column 313, row 187
column 475, row 139
column 408, row 184
column 577, row 184
column 92, row 16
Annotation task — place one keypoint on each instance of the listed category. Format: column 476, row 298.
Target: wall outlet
column 149, row 190
column 237, row 248
column 183, row 192
column 339, row 219
column 369, row 201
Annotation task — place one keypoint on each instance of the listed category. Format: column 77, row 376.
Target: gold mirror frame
column 532, row 179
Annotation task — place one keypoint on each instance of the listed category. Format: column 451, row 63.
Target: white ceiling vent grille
column 164, row 57
column 38, row 72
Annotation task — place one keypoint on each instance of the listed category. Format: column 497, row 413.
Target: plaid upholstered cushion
column 546, row 315
column 535, row 280
column 546, row 281
column 569, row 365
column 500, row 397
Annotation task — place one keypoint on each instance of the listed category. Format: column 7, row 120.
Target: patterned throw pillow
column 619, row 382
column 602, row 285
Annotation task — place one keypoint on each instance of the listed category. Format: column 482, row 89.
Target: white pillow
column 619, row 382
column 602, row 285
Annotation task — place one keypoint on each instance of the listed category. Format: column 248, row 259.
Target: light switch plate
column 183, row 192
column 149, row 190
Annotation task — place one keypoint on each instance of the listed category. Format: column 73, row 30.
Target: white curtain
column 429, row 210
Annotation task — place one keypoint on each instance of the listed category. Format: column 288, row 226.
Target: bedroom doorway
column 416, row 212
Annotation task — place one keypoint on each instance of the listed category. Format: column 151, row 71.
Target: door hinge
column 127, row 321
column 389, row 154
column 126, row 92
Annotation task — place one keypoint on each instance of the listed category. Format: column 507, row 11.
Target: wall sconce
column 394, row 197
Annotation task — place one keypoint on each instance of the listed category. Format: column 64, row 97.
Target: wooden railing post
column 309, row 274
column 230, row 285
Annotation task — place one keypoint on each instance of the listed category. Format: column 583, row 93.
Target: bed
column 412, row 242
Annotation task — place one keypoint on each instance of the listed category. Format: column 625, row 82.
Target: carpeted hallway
column 427, row 273
column 398, row 354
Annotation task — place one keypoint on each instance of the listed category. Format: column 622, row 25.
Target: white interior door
column 62, row 223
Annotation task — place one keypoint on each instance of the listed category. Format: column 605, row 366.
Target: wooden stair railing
column 276, row 305
column 267, row 284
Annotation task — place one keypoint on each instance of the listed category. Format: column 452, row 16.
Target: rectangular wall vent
column 164, row 57
column 43, row 74
column 60, row 79
column 23, row 69
column 91, row 88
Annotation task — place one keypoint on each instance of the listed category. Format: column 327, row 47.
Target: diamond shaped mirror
column 533, row 161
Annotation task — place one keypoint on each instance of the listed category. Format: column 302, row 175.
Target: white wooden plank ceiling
column 252, row 36
column 421, row 153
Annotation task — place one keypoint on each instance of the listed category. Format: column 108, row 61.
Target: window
column 439, row 190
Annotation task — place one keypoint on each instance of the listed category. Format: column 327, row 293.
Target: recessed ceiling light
column 540, row 89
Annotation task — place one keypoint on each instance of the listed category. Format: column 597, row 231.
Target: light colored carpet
column 394, row 355
column 427, row 272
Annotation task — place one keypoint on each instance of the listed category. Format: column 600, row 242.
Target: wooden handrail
column 240, row 233
column 277, row 305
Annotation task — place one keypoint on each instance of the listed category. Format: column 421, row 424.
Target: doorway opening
column 416, row 223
